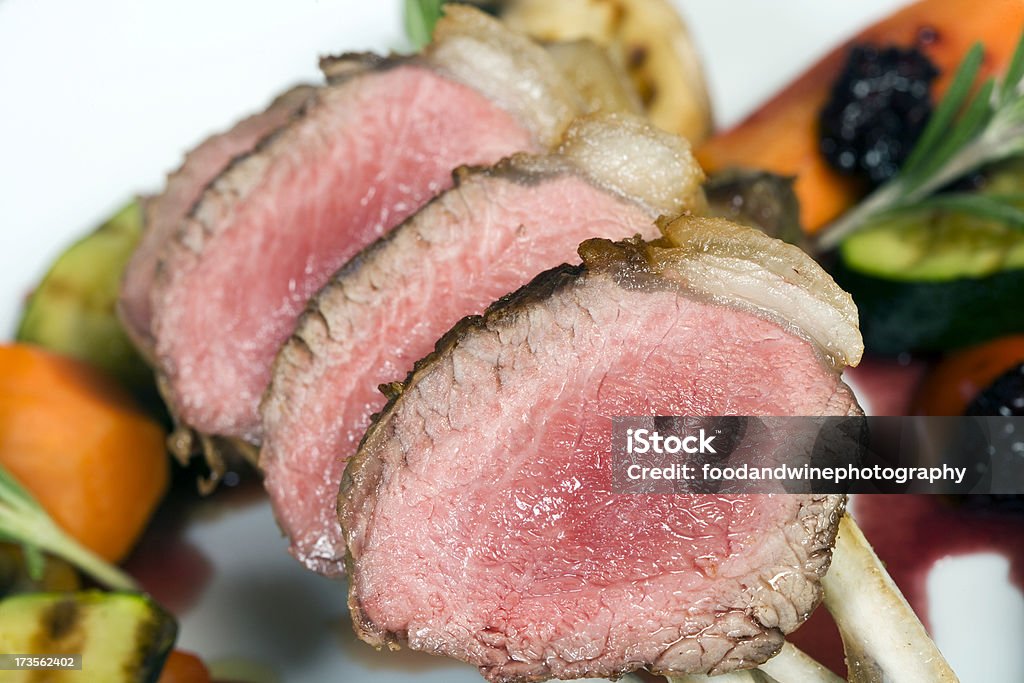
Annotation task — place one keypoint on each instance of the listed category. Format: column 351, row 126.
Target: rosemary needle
column 420, row 17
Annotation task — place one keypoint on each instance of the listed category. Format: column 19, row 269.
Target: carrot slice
column 184, row 667
column 78, row 443
column 961, row 376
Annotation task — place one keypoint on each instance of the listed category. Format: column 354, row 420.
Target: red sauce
column 909, row 534
column 886, row 384
column 819, row 638
column 165, row 563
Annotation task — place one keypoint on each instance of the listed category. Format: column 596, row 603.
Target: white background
column 99, row 98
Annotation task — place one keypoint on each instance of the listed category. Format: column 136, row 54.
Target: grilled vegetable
column 55, row 575
column 938, row 279
column 646, row 36
column 934, row 283
column 600, row 79
column 900, row 315
column 759, row 199
column 122, row 637
column 72, row 311
column 934, row 247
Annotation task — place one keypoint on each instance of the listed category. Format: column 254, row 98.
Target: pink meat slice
column 386, row 308
column 165, row 212
column 268, row 233
column 480, row 515
column 391, row 314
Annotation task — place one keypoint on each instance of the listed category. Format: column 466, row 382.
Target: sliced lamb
column 488, row 236
column 479, row 511
column 166, row 211
column 365, row 153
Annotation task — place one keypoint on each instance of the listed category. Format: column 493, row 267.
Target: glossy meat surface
column 270, row 231
column 387, row 307
column 165, row 212
column 480, row 515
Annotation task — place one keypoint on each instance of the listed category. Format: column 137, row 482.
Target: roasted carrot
column 184, row 667
column 961, row 376
column 782, row 135
column 76, row 441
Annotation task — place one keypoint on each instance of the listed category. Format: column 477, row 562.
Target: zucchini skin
column 72, row 310
column 902, row 316
column 122, row 637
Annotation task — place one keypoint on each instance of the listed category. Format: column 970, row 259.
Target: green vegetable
column 902, row 315
column 72, row 311
column 23, row 521
column 57, row 575
column 122, row 637
column 966, row 132
column 940, row 277
column 933, row 248
column 943, row 240
column 420, row 17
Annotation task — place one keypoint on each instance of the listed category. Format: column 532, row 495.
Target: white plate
column 99, row 98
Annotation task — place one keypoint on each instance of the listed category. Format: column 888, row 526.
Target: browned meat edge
column 628, row 263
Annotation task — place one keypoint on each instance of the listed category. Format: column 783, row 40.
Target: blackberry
column 876, row 111
column 1005, row 396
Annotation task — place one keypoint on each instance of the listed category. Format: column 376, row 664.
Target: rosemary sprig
column 964, row 133
column 420, row 17
column 1002, row 208
column 24, row 521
